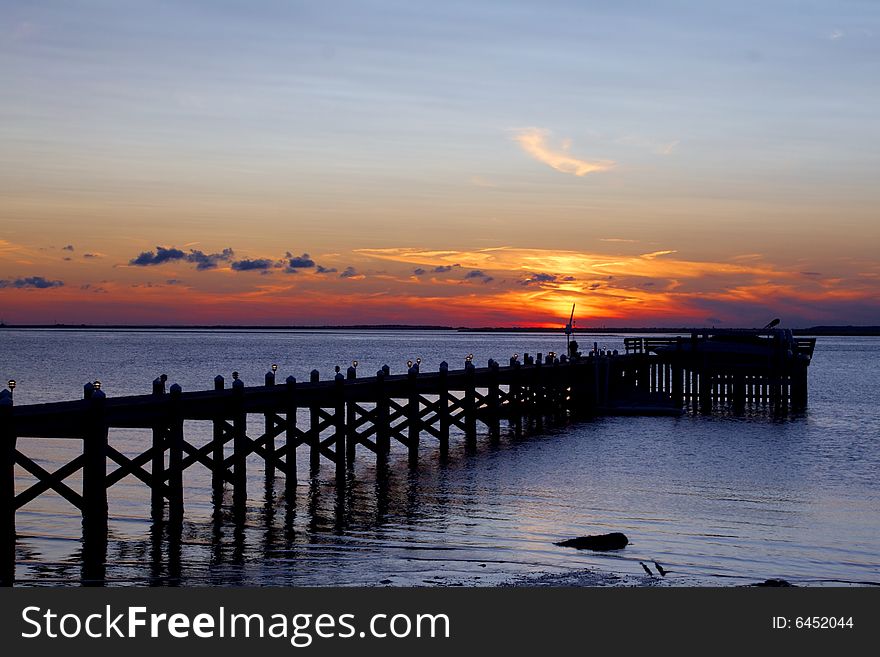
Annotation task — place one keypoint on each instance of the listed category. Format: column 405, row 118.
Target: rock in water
column 774, row 583
column 602, row 542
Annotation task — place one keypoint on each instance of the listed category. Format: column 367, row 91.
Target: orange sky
column 456, row 164
column 501, row 285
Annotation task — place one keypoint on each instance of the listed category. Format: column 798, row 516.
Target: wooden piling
column 239, row 446
column 314, row 433
column 413, row 419
column 494, row 405
column 676, row 383
column 383, row 423
column 94, row 497
column 739, row 392
column 339, row 426
column 175, row 454
column 290, row 439
column 515, row 396
column 469, row 406
column 94, row 511
column 218, row 453
column 443, row 407
column 157, row 468
column 269, row 424
column 7, row 490
column 350, row 419
column 705, row 388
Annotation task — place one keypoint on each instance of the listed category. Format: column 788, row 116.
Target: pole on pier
column 290, row 439
column 7, row 491
column 493, row 401
column 339, row 425
column 470, row 409
column 239, row 446
column 515, row 396
column 350, row 420
column 94, row 511
column 443, row 407
column 739, row 392
column 269, row 423
column 157, row 490
column 413, row 421
column 218, row 453
column 705, row 393
column 314, row 433
column 676, row 373
column 175, row 455
column 383, row 425
column 539, row 392
column 94, row 500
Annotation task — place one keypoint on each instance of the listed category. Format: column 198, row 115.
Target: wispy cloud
column 534, row 142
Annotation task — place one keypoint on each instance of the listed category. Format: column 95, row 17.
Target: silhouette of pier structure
column 340, row 420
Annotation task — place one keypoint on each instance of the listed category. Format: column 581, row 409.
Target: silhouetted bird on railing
column 647, row 570
column 660, row 569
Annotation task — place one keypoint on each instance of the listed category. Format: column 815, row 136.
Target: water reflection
column 726, row 499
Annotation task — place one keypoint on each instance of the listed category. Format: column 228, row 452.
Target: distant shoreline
column 855, row 331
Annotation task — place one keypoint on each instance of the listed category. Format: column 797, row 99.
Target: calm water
column 718, row 501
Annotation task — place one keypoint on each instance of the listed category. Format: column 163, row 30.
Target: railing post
column 443, row 407
column 269, row 424
column 412, row 415
column 157, row 490
column 350, row 419
column 94, row 511
column 314, row 434
column 383, row 427
column 290, row 440
column 7, row 490
column 493, row 401
column 339, row 425
column 175, row 454
column 239, row 446
column 470, row 410
column 218, row 453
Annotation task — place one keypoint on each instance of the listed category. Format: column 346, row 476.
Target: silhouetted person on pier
column 573, row 349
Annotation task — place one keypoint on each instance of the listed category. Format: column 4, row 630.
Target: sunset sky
column 458, row 163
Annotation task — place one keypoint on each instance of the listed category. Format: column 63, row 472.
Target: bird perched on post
column 660, row 569
column 647, row 570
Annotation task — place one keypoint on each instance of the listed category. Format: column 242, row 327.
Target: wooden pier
column 350, row 417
